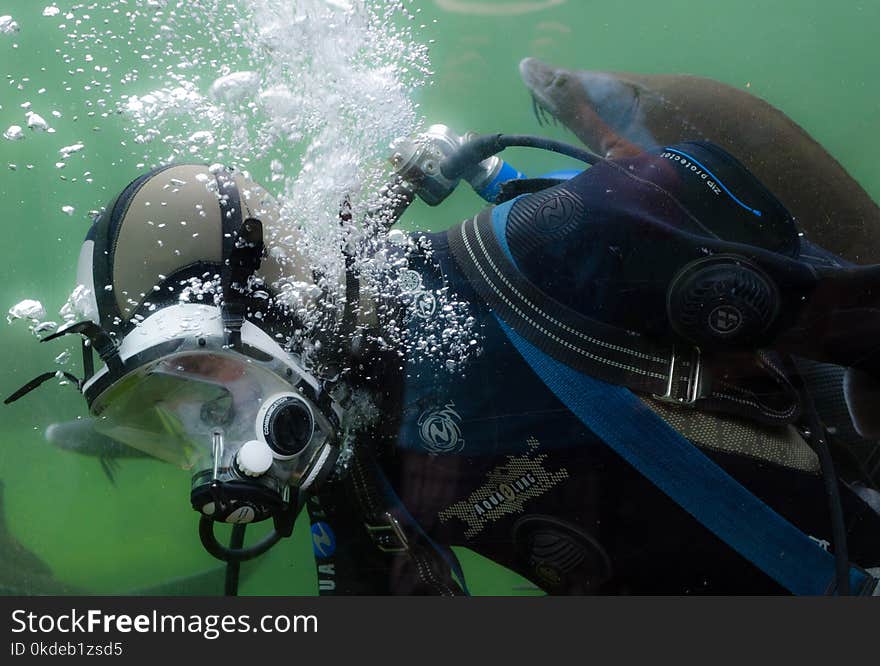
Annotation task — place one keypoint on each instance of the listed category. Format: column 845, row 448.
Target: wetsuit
column 488, row 458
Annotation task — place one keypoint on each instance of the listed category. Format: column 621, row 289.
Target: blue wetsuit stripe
column 499, row 225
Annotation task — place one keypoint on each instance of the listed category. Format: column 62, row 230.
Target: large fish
column 80, row 436
column 618, row 114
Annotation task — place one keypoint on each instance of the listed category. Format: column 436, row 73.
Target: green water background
column 817, row 61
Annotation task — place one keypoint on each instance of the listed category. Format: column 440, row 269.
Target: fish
column 81, row 437
column 619, row 115
column 25, row 574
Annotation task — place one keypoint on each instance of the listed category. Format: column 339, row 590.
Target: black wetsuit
column 487, row 457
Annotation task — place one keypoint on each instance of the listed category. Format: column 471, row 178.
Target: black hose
column 221, row 552
column 486, row 145
column 233, row 567
column 835, row 506
column 818, row 442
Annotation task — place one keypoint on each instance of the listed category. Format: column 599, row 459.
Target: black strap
column 242, row 254
column 590, row 346
column 395, row 533
column 95, row 338
column 617, row 356
column 100, row 340
column 88, row 360
column 38, row 381
column 352, row 281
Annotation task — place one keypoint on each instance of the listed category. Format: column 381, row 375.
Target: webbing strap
column 386, row 516
column 680, row 470
column 689, row 477
column 591, row 346
column 675, row 373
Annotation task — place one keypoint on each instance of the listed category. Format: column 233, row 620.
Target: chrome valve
column 418, row 159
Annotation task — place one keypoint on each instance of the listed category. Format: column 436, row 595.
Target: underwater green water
column 817, row 61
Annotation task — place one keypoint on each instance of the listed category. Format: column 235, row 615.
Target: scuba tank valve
column 419, row 159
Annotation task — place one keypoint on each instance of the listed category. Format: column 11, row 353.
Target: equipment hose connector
column 420, row 160
column 435, row 161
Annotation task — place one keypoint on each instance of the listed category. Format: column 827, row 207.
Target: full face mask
column 256, row 431
column 179, row 299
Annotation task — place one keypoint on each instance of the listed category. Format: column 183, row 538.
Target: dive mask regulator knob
column 254, row 458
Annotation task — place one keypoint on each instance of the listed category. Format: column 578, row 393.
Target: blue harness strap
column 689, row 477
column 686, row 475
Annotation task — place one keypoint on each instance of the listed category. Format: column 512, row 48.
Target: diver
column 644, row 416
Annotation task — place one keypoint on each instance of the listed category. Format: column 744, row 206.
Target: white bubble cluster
column 13, row 133
column 309, row 92
column 67, row 151
column 80, row 305
column 36, row 122
column 201, row 289
column 8, row 25
column 235, row 87
column 26, row 309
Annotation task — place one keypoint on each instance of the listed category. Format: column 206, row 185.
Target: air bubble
column 67, row 151
column 26, row 309
column 202, row 136
column 235, row 86
column 45, row 327
column 13, row 133
column 8, row 25
column 36, row 122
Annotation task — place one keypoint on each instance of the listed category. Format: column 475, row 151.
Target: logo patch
column 725, row 320
column 440, row 430
column 242, row 515
column 409, row 281
column 425, row 304
column 557, row 212
column 506, row 491
column 323, row 540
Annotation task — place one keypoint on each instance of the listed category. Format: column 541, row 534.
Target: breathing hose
column 486, row 145
column 233, row 567
column 818, row 441
column 229, row 554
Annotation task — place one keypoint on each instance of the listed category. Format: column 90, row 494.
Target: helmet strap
column 242, row 253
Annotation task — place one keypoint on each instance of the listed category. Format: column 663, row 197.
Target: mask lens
column 288, row 426
column 166, row 411
column 218, row 411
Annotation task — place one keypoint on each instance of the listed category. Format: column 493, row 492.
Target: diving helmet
column 188, row 288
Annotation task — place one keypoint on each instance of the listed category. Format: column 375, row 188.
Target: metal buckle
column 389, row 538
column 695, row 380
